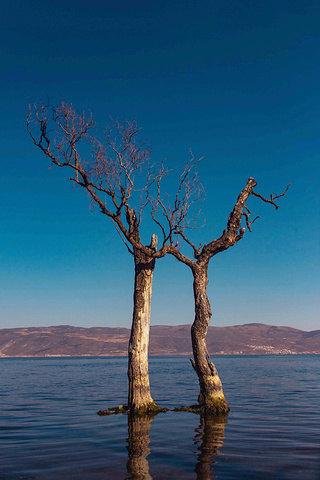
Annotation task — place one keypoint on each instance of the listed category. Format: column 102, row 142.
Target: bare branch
column 122, row 237
column 196, row 251
column 60, row 132
column 273, row 196
column 234, row 232
column 178, row 216
column 246, row 213
column 110, row 178
column 157, row 202
column 189, row 192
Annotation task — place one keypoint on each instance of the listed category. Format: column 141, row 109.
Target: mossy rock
column 216, row 406
column 192, row 408
column 212, row 406
column 113, row 410
column 148, row 409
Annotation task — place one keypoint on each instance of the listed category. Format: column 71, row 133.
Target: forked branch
column 185, row 209
column 66, row 136
column 273, row 196
column 246, row 213
column 234, row 232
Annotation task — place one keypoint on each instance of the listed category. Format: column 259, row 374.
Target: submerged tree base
column 212, row 406
column 113, row 410
column 149, row 408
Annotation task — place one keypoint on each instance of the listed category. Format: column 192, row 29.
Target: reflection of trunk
column 211, row 434
column 211, row 395
column 138, row 441
column 139, row 398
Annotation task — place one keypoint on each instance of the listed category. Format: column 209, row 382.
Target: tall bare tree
column 211, row 398
column 111, row 178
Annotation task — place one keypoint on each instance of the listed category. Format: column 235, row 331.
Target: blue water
column 49, row 428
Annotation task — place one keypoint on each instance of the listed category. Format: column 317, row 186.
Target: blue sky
column 235, row 81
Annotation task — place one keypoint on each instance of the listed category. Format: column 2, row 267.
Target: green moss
column 212, row 405
column 149, row 408
column 218, row 404
column 114, row 410
column 192, row 409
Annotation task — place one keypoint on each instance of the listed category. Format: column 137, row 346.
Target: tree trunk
column 139, row 398
column 211, row 397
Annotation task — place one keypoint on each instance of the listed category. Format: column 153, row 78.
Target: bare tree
column 111, row 179
column 211, row 397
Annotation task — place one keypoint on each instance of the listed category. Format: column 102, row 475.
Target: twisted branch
column 273, row 196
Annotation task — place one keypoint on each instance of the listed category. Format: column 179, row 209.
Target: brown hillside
column 65, row 340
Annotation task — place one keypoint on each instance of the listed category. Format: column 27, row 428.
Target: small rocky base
column 192, row 408
column 114, row 410
column 213, row 408
column 151, row 408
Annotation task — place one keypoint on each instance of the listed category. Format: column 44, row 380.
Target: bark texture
column 139, row 397
column 211, row 398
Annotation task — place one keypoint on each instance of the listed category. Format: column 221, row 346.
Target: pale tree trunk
column 139, row 397
column 211, row 398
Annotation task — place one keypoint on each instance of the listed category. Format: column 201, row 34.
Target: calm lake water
column 49, row 428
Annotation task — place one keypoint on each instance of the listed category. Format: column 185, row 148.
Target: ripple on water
column 49, row 427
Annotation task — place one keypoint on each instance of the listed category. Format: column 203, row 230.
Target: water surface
column 49, row 428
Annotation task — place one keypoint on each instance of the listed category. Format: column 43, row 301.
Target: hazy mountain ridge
column 65, row 340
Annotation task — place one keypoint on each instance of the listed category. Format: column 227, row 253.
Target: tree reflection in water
column 138, row 450
column 209, row 435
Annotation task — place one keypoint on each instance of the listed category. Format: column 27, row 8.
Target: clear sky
column 236, row 81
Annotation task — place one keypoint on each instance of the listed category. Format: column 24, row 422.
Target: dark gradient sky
column 236, row 81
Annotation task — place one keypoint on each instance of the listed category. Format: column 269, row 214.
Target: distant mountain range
column 65, row 340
